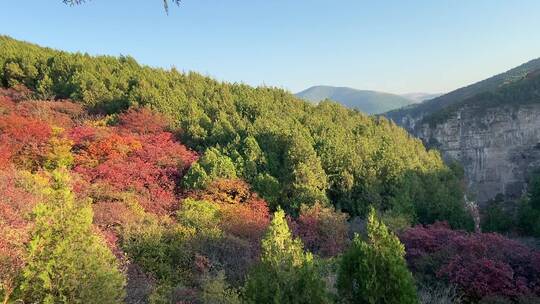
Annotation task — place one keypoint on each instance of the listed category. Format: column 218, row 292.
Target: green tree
column 67, row 262
column 375, row 271
column 211, row 166
column 306, row 181
column 285, row 274
column 215, row 290
column 529, row 208
column 203, row 216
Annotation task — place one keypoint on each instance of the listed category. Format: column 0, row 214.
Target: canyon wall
column 498, row 147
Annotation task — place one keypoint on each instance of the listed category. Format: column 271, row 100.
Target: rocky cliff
column 497, row 146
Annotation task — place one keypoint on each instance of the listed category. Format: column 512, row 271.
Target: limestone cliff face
column 497, row 147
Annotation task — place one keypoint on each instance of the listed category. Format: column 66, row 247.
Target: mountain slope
column 291, row 152
column 410, row 115
column 495, row 135
column 490, row 127
column 420, row 96
column 370, row 102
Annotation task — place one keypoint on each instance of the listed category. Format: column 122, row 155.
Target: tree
column 165, row 3
column 285, row 274
column 306, row 181
column 215, row 290
column 374, row 271
column 67, row 262
column 323, row 230
column 529, row 209
column 211, row 166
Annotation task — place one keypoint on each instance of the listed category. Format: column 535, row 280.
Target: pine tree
column 67, row 262
column 286, row 274
column 375, row 271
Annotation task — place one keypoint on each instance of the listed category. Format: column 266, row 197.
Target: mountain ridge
column 368, row 101
column 408, row 116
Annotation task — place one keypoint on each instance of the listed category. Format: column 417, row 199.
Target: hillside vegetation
column 290, row 151
column 125, row 183
column 520, row 92
column 452, row 99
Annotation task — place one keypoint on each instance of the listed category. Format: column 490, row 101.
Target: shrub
column 322, row 229
column 479, row 264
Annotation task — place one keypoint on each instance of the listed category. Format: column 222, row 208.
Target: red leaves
column 143, row 121
column 137, row 156
column 15, row 202
column 15, row 206
column 244, row 213
column 23, row 140
column 481, row 264
column 149, row 165
column 323, row 230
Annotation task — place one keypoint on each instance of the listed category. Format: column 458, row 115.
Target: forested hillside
column 410, row 115
column 125, row 183
column 292, row 152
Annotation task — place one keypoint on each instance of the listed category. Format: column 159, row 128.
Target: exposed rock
column 497, row 147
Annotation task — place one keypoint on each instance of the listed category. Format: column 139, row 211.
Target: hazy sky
column 395, row 46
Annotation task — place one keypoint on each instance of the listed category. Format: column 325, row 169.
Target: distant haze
column 367, row 101
column 419, row 97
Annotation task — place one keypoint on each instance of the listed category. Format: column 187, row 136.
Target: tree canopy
column 292, row 152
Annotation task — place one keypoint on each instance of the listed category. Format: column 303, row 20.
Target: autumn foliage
column 243, row 213
column 322, row 229
column 480, row 264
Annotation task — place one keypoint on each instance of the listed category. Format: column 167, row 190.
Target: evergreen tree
column 286, row 274
column 67, row 262
column 375, row 271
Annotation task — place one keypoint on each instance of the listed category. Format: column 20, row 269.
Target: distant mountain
column 370, row 102
column 419, row 96
column 410, row 115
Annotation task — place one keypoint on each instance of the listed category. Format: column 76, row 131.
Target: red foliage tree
column 55, row 113
column 15, row 206
column 481, row 264
column 244, row 213
column 149, row 165
column 322, row 229
column 143, row 121
column 24, row 141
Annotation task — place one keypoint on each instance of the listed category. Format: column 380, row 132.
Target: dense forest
column 121, row 182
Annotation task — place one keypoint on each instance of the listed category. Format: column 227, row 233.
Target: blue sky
column 394, row 46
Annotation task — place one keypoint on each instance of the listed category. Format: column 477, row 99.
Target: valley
column 125, row 183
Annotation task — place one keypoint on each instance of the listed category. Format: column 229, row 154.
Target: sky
column 392, row 46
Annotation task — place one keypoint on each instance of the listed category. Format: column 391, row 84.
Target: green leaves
column 305, row 153
column 67, row 262
column 211, row 166
column 286, row 274
column 374, row 271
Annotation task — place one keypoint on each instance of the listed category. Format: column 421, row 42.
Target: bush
column 215, row 290
column 479, row 264
column 439, row 295
column 322, row 229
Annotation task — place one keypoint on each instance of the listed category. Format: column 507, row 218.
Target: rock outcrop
column 498, row 147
